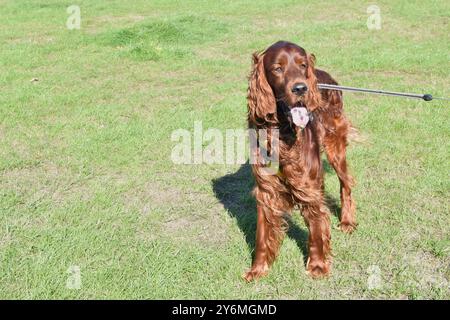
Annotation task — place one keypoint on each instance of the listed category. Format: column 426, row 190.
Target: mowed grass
column 86, row 177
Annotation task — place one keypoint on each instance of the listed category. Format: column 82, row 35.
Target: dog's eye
column 303, row 65
column 278, row 70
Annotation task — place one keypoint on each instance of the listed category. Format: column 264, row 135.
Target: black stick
column 426, row 97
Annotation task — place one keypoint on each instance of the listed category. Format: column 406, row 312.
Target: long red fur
column 300, row 181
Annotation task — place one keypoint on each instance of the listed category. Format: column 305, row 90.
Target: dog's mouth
column 288, row 105
column 300, row 116
column 296, row 114
column 298, row 104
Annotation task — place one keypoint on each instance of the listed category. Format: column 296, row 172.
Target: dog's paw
column 255, row 273
column 318, row 269
column 347, row 227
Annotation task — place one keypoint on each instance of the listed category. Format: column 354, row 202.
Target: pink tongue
column 300, row 116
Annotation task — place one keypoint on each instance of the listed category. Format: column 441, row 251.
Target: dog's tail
column 355, row 136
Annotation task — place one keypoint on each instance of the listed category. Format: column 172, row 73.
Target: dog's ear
column 311, row 63
column 260, row 98
column 313, row 95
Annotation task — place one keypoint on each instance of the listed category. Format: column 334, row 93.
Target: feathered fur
column 299, row 181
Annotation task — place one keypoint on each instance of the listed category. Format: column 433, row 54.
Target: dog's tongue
column 300, row 116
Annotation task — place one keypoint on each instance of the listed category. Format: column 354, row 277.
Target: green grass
column 85, row 171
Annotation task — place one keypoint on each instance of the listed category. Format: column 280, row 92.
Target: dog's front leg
column 263, row 248
column 318, row 222
column 270, row 231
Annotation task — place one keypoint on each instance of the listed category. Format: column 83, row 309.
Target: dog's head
column 284, row 72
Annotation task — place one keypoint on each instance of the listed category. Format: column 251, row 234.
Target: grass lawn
column 86, row 178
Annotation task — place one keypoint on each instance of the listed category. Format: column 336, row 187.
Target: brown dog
column 283, row 96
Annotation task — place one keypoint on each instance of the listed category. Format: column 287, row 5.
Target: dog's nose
column 299, row 89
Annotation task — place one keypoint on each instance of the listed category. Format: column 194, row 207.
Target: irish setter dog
column 283, row 96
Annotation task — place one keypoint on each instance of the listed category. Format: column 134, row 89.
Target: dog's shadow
column 234, row 192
